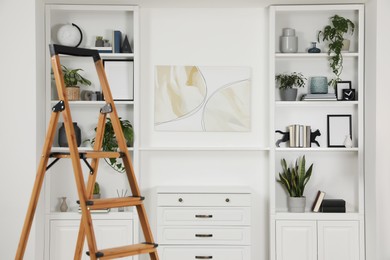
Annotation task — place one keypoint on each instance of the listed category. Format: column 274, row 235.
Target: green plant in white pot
column 294, row 180
column 334, row 35
column 288, row 84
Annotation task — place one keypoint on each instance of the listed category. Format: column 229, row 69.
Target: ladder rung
column 124, row 251
column 114, row 202
column 88, row 154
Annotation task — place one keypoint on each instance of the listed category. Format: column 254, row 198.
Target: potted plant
column 71, row 79
column 334, row 34
column 110, row 143
column 294, row 179
column 96, row 191
column 287, row 82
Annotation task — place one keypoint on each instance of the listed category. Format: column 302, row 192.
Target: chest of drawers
column 204, row 223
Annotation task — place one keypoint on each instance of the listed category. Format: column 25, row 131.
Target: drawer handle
column 227, row 200
column 203, row 257
column 180, row 200
column 203, row 216
column 203, row 235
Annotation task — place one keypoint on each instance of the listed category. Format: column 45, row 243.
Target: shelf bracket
column 52, row 163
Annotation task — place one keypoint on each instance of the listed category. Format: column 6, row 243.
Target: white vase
column 296, row 204
column 348, row 142
column 288, row 41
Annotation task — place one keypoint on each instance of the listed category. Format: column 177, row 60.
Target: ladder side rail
column 91, row 181
column 75, row 157
column 37, row 185
column 126, row 159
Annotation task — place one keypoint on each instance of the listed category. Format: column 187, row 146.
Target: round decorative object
column 318, row 85
column 70, row 35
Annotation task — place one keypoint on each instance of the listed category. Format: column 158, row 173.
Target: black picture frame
column 340, row 85
column 120, row 76
column 338, row 126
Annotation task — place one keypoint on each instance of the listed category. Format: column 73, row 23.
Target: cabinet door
column 296, row 240
column 109, row 233
column 338, row 240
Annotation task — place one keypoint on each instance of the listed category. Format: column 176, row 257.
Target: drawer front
column 204, row 235
column 169, row 216
column 205, row 199
column 202, row 253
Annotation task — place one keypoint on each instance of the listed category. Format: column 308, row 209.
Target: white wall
column 209, row 37
column 18, row 132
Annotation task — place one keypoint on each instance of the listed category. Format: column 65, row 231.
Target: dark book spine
column 333, row 203
column 117, row 41
column 332, row 209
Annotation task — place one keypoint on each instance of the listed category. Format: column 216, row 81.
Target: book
column 292, row 135
column 301, row 138
column 116, row 41
column 296, row 131
column 103, row 49
column 306, row 136
column 332, row 209
column 318, row 201
column 333, row 203
column 320, row 97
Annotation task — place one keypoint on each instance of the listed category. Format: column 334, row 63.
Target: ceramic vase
column 348, row 142
column 63, row 206
column 63, row 141
column 313, row 48
column 288, row 94
column 288, row 41
column 296, row 204
column 318, row 85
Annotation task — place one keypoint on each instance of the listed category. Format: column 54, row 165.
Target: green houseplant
column 72, row 78
column 334, row 35
column 294, row 180
column 96, row 191
column 287, row 82
column 110, row 143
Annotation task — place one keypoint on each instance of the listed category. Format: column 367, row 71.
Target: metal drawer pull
column 203, row 235
column 203, row 216
column 180, row 200
column 203, row 257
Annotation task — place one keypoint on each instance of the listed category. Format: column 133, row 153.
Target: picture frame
column 120, row 76
column 338, row 126
column 340, row 85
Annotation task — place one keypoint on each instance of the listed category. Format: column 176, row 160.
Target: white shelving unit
column 337, row 171
column 119, row 227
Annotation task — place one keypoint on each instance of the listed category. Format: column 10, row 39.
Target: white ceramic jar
column 288, row 41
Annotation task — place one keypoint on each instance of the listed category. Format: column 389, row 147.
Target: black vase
column 63, row 141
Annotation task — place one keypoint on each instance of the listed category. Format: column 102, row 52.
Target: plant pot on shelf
column 73, row 93
column 296, row 204
column 288, row 94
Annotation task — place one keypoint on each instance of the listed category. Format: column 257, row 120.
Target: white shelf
column 116, row 55
column 317, row 216
column 317, row 149
column 312, row 55
column 316, row 103
column 81, row 149
column 204, row 148
column 93, row 103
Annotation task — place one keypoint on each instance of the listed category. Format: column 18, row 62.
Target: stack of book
column 319, row 97
column 299, row 135
column 328, row 205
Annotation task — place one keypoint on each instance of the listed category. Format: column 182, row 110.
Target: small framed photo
column 339, row 127
column 340, row 86
column 120, row 76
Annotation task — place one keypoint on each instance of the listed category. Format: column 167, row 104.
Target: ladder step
column 114, row 202
column 88, row 154
column 124, row 251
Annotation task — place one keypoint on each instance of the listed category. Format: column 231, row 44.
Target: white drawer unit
column 204, row 223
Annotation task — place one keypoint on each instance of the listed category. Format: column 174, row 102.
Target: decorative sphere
column 68, row 35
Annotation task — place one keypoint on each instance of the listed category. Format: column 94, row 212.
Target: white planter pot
column 296, row 204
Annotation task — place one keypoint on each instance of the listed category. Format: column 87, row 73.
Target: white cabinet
column 296, row 240
column 109, row 233
column 338, row 171
column 204, row 223
column 317, row 240
column 338, row 240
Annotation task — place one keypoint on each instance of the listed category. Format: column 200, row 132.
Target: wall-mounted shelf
column 204, row 149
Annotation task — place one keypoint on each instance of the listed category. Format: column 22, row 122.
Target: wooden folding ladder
column 85, row 191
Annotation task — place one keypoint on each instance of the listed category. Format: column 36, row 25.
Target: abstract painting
column 202, row 98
